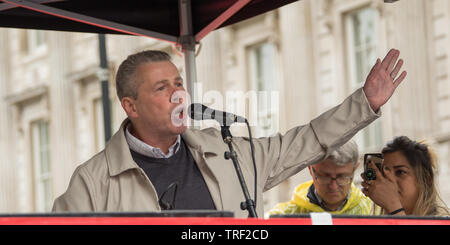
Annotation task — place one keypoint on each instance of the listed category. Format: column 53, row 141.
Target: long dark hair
column 423, row 160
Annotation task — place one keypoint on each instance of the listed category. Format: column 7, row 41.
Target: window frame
column 371, row 137
column 42, row 201
column 271, row 94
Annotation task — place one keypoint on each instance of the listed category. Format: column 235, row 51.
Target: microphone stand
column 249, row 204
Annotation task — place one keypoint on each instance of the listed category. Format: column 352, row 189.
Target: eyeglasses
column 325, row 180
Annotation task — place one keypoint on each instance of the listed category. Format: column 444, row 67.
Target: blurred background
column 310, row 55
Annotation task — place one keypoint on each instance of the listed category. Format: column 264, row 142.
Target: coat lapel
column 140, row 193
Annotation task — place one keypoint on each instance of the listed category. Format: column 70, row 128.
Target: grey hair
column 126, row 84
column 345, row 154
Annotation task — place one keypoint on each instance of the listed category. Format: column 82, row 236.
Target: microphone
column 168, row 205
column 199, row 111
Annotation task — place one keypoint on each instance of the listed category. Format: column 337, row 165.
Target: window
column 43, row 194
column 361, row 29
column 263, row 81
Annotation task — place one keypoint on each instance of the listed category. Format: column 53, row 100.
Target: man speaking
column 154, row 162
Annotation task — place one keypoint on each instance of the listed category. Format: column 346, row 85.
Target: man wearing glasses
column 332, row 189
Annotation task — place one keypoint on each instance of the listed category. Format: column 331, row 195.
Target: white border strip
column 321, row 219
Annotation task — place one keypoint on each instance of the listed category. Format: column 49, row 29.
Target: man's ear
column 129, row 106
column 357, row 164
column 310, row 171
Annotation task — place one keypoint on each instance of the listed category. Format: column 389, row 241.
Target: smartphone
column 376, row 158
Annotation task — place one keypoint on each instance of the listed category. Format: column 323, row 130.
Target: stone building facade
column 299, row 60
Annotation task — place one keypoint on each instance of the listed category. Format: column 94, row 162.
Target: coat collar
column 117, row 151
column 195, row 139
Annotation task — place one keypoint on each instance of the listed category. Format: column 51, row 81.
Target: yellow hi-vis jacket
column 357, row 203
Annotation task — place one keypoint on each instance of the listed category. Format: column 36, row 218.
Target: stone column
column 8, row 178
column 61, row 108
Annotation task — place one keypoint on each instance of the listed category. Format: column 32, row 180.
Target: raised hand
column 381, row 81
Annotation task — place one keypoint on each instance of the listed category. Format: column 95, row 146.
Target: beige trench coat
column 112, row 182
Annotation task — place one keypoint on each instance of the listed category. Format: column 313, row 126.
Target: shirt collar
column 145, row 149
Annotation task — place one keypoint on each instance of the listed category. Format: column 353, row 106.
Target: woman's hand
column 383, row 190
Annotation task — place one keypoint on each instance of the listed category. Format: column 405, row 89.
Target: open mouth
column 178, row 116
column 179, row 112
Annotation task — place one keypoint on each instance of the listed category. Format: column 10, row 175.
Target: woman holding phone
column 407, row 184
